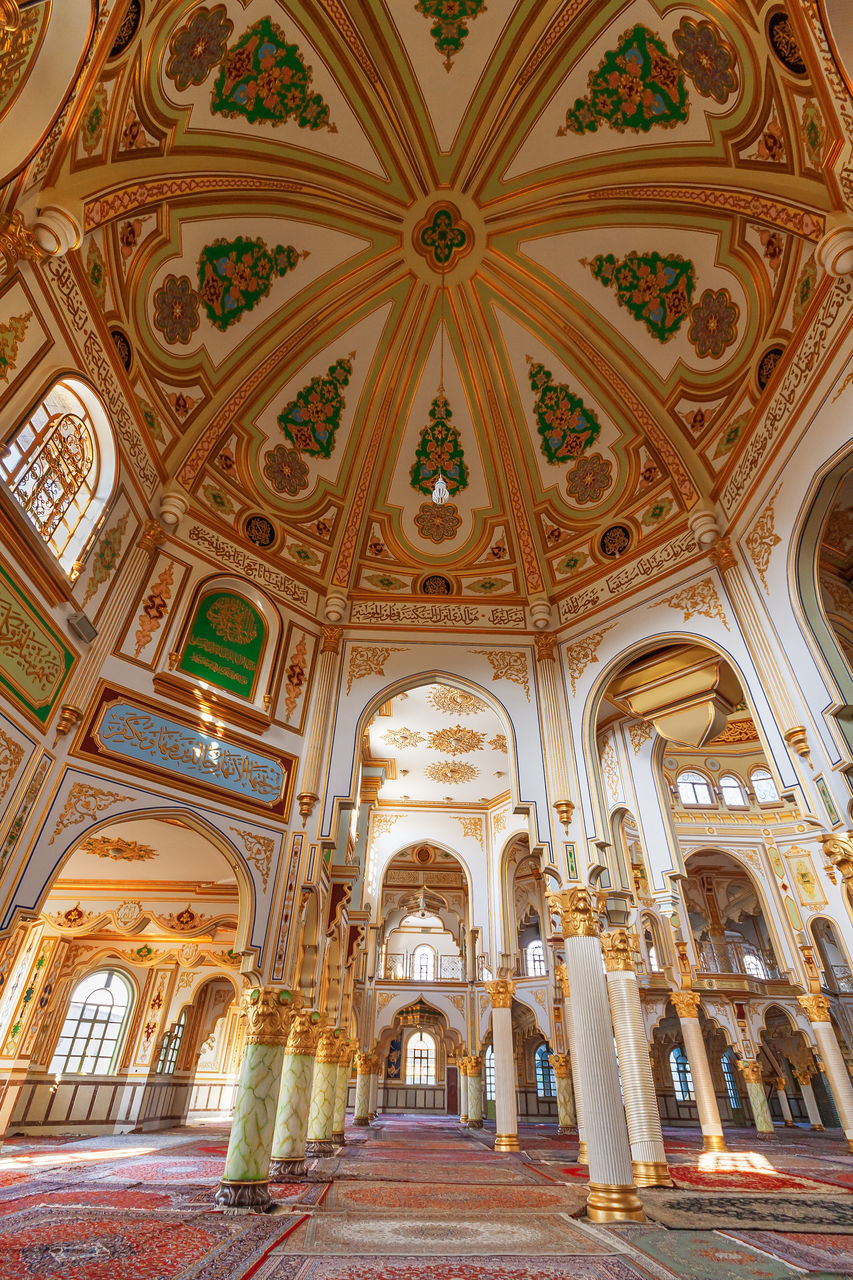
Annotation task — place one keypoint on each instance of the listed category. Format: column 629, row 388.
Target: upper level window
column 535, row 959
column 693, row 788
column 651, row 951
column 89, row 1041
column 733, row 792
column 489, row 1063
column 423, row 964
column 546, row 1084
column 60, row 467
column 763, row 786
column 168, row 1059
column 420, row 1059
column 682, row 1078
column 753, row 965
column 731, row 1079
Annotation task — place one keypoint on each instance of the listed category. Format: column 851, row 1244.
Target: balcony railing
column 735, row 958
column 840, row 979
column 402, row 967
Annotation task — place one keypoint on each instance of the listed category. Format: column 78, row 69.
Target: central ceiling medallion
column 443, row 237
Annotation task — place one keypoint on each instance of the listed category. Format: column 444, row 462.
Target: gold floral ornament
column 498, row 742
column 686, row 1003
column 454, row 702
column 456, row 741
column 438, row 523
column 510, row 666
column 762, row 538
column 305, row 1029
column 232, row 620
column 500, row 992
column 816, row 1007
column 617, row 946
column 402, row 738
column 268, row 1013
column 583, row 652
column 367, row 660
column 451, row 771
column 85, row 801
column 117, row 849
column 699, row 599
column 577, row 918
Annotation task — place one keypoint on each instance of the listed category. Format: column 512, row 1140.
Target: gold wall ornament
column 751, row 1072
column 268, row 1013
column 816, row 1007
column 700, row 599
column 472, row 827
column 329, row 1045
column 579, row 655
column 259, row 850
column 510, row 666
column 118, row 849
column 565, row 809
column 85, row 801
column 762, row 538
column 562, row 975
column 797, row 738
column 306, row 801
column 803, row 1076
column 577, row 918
column 152, row 537
column 722, row 554
column 500, row 992
column 618, row 949
column 368, row 660
column 545, row 642
column 838, row 848
column 306, row 1027
column 68, row 717
column 17, row 242
column 686, row 1003
column 561, row 1064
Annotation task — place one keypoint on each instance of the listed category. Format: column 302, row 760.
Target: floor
column 418, row 1198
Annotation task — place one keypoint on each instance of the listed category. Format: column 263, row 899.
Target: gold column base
column 818, row 1128
column 651, row 1173
column 850, row 1143
column 789, row 1124
column 361, row 1121
column 507, row 1142
column 613, row 1204
column 371, row 1115
column 583, row 1158
column 463, row 1119
column 713, row 1142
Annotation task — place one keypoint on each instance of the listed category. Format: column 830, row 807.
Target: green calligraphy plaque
column 34, row 661
column 225, row 643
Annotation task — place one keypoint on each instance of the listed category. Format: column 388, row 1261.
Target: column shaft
column 362, row 1090
column 506, row 1110
column 804, row 1079
column 341, row 1087
column 565, row 1105
column 374, row 1090
column 463, row 1094
column 475, row 1092
column 836, row 1073
column 322, row 1110
column 751, row 1072
column 782, row 1095
column 687, row 1007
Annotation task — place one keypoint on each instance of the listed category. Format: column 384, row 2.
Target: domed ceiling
column 599, row 217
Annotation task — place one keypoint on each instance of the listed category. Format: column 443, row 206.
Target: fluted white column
column 563, row 976
column 638, row 1087
column 782, row 1094
column 475, row 1091
column 817, row 1008
column 612, row 1194
column 316, row 739
column 500, row 993
column 687, row 1007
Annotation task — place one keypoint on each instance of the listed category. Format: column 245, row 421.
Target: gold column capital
column 331, row 639
column 838, row 848
column 803, row 1075
column 544, row 642
column 305, row 1030
column 561, row 1062
column 816, row 1007
column 779, row 1084
column 722, row 554
column 268, row 1013
column 577, row 918
column 153, row 536
column 751, row 1072
column 686, row 1003
column 500, row 991
column 618, row 950
column 475, row 1065
column 329, row 1045
column 563, row 978
column 16, row 239
column 363, row 1062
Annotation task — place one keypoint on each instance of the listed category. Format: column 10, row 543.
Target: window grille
column 89, row 1041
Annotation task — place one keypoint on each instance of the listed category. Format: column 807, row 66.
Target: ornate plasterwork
column 403, row 737
column 640, row 732
column 118, row 849
column 700, row 599
column 85, row 802
column 471, row 827
column 11, row 755
column 453, row 701
column 579, row 655
column 368, row 660
column 258, row 850
column 456, row 740
column 510, row 665
column 762, row 538
column 451, row 771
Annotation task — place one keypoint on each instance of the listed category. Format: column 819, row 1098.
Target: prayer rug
column 283, row 1266
column 177, row 1170
column 413, row 1171
column 79, row 1244
column 707, row 1255
column 383, row 1197
column 461, row 1234
column 706, row 1210
column 687, row 1178
column 803, row 1249
column 88, row 1197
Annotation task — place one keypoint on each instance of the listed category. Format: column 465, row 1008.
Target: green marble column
column 475, row 1092
column 322, row 1109
column 340, row 1112
column 244, row 1186
column 294, row 1099
column 363, row 1067
column 566, row 1119
column 754, row 1081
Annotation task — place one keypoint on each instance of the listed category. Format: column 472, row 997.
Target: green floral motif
column 655, row 288
column 94, row 120
column 217, row 499
column 106, row 557
column 657, row 511
column 439, row 450
column 151, row 420
column 487, row 585
column 264, row 78
column 811, row 124
column 575, row 560
column 450, row 17
column 443, row 237
column 234, row 275
column 97, row 274
column 638, row 86
column 304, row 555
column 731, row 435
column 565, row 425
column 804, row 289
column 385, row 582
column 311, row 420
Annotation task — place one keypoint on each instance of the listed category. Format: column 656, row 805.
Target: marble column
column 374, row 1086
column 500, row 992
column 563, row 976
column 687, row 1007
column 339, row 1117
column 803, row 1077
column 363, row 1062
column 244, row 1187
column 638, row 1087
column 463, row 1091
column 294, row 1099
column 817, row 1008
column 565, row 1106
column 612, row 1193
column 322, row 1110
column 780, row 1085
column 475, row 1091
column 754, row 1081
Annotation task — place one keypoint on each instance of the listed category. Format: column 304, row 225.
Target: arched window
column 423, row 964
column 60, row 467
column 753, row 965
column 420, row 1059
column 651, row 951
column 764, row 786
column 682, row 1080
column 733, row 793
column 90, row 1038
column 694, row 789
column 171, row 1044
column 489, row 1062
column 535, row 959
column 730, row 1078
column 546, row 1084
